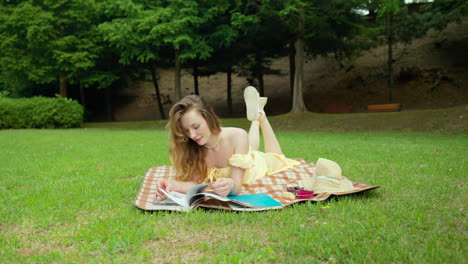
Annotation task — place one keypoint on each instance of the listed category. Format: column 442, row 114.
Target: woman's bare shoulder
column 234, row 132
column 238, row 138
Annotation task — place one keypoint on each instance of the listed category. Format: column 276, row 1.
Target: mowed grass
column 67, row 197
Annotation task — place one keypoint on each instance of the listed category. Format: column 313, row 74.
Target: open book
column 197, row 196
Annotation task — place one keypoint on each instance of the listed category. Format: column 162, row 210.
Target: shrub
column 40, row 112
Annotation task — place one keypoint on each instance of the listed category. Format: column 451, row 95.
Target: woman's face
column 195, row 127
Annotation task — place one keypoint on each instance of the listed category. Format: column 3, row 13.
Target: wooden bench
column 383, row 108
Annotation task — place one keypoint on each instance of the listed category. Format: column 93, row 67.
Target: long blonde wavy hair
column 187, row 157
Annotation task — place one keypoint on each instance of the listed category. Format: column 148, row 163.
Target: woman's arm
column 232, row 185
column 229, row 186
column 173, row 185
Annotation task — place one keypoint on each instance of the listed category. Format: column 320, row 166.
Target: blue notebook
column 256, row 199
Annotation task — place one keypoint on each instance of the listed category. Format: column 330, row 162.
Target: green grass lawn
column 67, row 197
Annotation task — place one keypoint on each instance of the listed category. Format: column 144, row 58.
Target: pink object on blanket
column 304, row 194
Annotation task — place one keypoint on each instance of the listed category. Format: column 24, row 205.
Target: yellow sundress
column 257, row 165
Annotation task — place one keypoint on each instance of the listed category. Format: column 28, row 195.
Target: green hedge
column 40, row 112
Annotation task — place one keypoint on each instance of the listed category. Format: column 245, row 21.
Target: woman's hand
column 223, row 186
column 172, row 185
column 166, row 185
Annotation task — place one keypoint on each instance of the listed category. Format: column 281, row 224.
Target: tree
column 324, row 27
column 48, row 40
column 336, row 30
column 295, row 14
column 25, row 31
column 179, row 29
column 400, row 24
column 298, row 101
column 218, row 33
column 261, row 39
column 392, row 12
column 224, row 58
column 155, row 29
column 261, row 43
column 316, row 28
column 132, row 33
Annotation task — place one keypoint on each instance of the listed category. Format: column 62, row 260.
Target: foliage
column 441, row 12
column 146, row 28
column 90, row 43
column 39, row 39
column 40, row 112
column 336, row 28
column 263, row 28
column 398, row 21
column 4, row 94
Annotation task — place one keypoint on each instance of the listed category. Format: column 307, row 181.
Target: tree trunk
column 259, row 74
column 63, row 84
column 292, row 68
column 83, row 99
column 178, row 93
column 298, row 100
column 390, row 56
column 261, row 84
column 109, row 104
column 158, row 94
column 195, row 79
column 229, row 90
column 63, row 74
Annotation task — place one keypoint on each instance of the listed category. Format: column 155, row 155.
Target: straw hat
column 327, row 178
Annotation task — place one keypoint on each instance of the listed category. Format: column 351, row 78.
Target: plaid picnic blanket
column 273, row 185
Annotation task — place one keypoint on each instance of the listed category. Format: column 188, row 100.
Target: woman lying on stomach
column 226, row 157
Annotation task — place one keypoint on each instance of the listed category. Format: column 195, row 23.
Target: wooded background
column 81, row 48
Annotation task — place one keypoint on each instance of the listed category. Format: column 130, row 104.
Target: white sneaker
column 252, row 99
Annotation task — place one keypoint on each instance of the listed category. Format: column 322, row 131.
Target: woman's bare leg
column 254, row 135
column 271, row 143
column 259, row 121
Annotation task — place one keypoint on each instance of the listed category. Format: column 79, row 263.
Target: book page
column 215, row 196
column 177, row 197
column 186, row 199
column 195, row 190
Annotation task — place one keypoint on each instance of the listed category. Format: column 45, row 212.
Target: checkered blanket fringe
column 273, row 185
